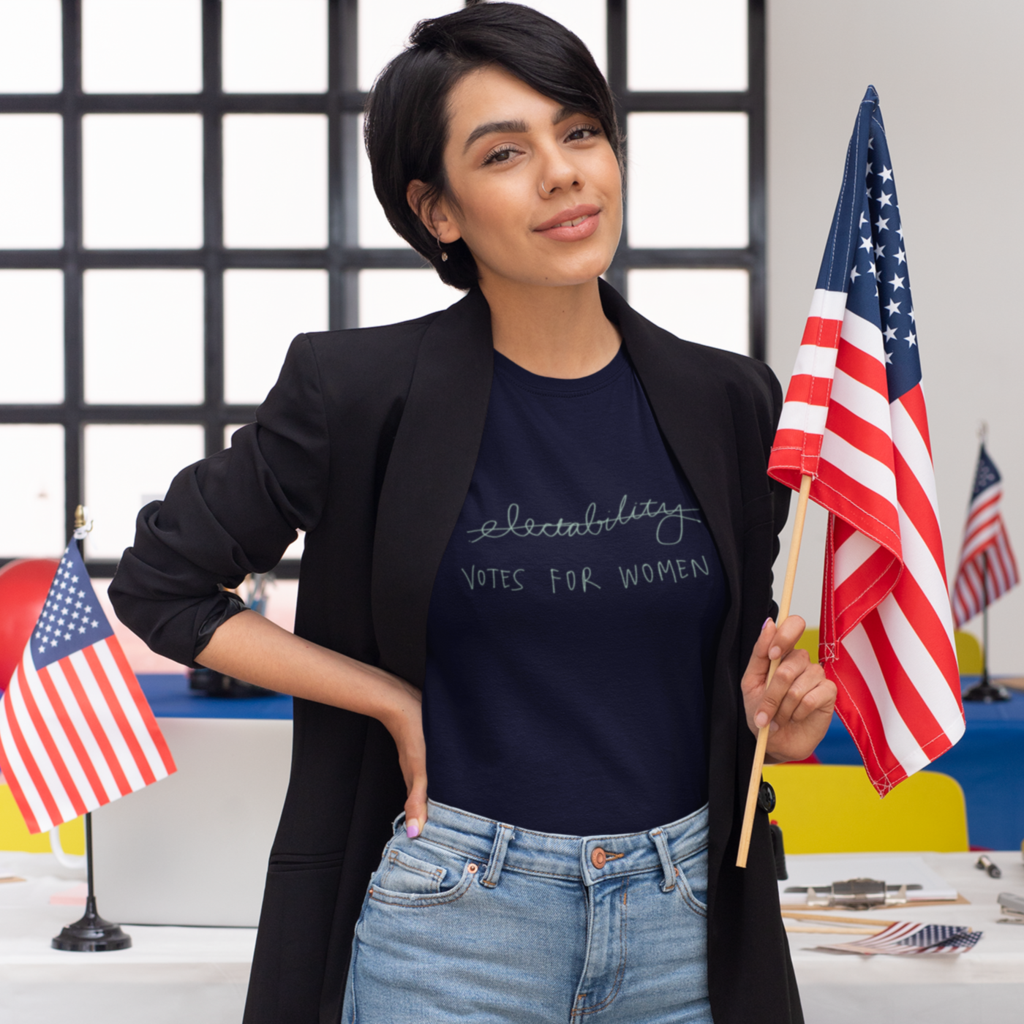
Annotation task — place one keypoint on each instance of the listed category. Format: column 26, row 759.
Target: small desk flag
column 854, row 420
column 75, row 729
column 987, row 567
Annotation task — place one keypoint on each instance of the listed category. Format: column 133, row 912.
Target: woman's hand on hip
column 405, row 723
column 798, row 705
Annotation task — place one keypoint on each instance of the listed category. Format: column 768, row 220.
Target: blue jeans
column 480, row 921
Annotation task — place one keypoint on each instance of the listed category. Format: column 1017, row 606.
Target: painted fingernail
column 775, row 652
column 760, row 719
column 764, row 625
column 412, row 828
column 774, row 727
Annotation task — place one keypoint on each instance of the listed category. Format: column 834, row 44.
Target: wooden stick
column 762, row 735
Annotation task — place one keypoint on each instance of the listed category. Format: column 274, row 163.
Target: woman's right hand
column 405, row 723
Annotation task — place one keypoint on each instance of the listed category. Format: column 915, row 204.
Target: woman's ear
column 433, row 211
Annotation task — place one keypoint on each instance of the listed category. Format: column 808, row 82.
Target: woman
column 539, row 537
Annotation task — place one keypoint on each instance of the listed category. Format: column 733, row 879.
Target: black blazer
column 368, row 442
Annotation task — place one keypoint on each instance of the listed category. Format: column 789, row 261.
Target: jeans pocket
column 692, row 881
column 411, row 880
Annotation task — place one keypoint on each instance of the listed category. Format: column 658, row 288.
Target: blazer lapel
column 428, row 476
column 693, row 411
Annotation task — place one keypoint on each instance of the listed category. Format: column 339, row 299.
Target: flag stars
column 911, row 339
column 888, row 358
column 890, row 334
column 885, row 199
column 913, row 319
column 882, row 224
column 886, row 173
column 893, row 307
column 854, row 274
column 94, row 623
column 897, row 282
column 863, row 219
column 879, row 251
column 901, row 256
column 865, row 243
column 81, row 629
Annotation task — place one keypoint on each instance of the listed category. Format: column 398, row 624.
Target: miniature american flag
column 987, row 566
column 855, row 422
column 75, row 729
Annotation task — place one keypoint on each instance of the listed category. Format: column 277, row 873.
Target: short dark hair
column 406, row 127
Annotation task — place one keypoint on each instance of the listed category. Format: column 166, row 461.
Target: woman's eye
column 501, row 156
column 583, row 131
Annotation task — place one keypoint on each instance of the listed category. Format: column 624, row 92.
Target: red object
column 24, row 584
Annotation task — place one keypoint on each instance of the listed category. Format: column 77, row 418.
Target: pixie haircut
column 407, row 112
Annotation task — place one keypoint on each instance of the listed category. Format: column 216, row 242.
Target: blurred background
column 183, row 189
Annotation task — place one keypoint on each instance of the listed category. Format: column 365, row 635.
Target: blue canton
column 72, row 618
column 866, row 257
column 987, row 474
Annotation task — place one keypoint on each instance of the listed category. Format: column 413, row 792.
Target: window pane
column 711, row 307
column 31, row 336
column 263, row 311
column 275, row 181
column 128, row 46
column 31, row 196
column 143, row 181
column 584, row 17
column 160, row 363
column 32, row 510
column 126, row 467
column 705, row 157
column 30, row 46
column 390, row 296
column 384, row 30
column 687, row 45
column 274, row 45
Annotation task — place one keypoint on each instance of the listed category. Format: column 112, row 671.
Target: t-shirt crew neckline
column 523, row 378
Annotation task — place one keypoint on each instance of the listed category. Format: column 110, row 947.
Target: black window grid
column 343, row 258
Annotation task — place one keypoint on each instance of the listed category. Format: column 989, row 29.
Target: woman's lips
column 572, row 225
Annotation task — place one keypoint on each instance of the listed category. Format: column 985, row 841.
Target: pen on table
column 985, row 864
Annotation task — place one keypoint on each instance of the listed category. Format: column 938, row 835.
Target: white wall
column 951, row 81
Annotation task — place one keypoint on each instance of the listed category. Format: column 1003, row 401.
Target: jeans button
column 598, row 858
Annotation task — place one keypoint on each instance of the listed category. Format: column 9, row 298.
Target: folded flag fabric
column 987, row 568
column 905, row 938
column 75, row 729
column 854, row 420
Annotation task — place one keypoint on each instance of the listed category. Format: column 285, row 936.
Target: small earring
column 444, row 255
column 544, row 190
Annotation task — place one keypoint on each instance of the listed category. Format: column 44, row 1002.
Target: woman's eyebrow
column 517, row 127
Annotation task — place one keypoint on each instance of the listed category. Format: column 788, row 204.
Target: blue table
column 170, row 697
column 988, row 763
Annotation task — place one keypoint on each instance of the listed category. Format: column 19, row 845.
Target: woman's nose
column 559, row 175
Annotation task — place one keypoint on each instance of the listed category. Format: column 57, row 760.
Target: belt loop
column 497, row 858
column 661, row 844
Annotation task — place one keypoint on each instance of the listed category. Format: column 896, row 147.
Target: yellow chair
column 968, row 653
column 14, row 835
column 809, row 643
column 833, row 808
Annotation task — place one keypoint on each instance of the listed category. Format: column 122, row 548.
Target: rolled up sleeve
column 226, row 516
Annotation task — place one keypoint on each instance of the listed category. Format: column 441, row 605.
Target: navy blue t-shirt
column 574, row 617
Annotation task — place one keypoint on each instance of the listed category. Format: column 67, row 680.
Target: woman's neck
column 553, row 332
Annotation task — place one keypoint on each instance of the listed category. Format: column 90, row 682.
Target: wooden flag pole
column 762, row 734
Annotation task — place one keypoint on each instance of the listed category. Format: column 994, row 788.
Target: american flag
column 854, row 420
column 75, row 729
column 987, row 567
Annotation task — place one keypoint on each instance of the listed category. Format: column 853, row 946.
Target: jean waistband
column 589, row 859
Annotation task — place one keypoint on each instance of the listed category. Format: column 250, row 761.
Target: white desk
column 985, row 985
column 170, row 975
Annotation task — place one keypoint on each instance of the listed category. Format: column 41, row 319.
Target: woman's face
column 538, row 186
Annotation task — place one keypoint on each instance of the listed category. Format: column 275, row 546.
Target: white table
column 985, row 985
column 170, row 975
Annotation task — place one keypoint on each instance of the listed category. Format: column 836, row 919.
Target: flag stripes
column 75, row 729
column 987, row 568
column 854, row 420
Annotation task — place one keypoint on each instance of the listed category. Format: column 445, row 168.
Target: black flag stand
column 91, row 933
column 983, row 691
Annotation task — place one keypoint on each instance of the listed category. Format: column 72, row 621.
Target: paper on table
column 822, row 869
